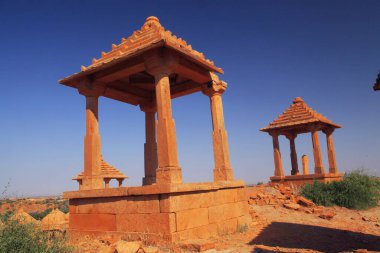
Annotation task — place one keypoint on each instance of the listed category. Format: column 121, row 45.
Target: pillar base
column 148, row 180
column 169, row 175
column 92, row 182
column 319, row 170
column 333, row 170
column 223, row 174
column 307, row 179
column 159, row 212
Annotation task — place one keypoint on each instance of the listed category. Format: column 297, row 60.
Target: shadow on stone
column 290, row 235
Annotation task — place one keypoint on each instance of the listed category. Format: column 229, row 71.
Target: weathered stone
column 127, row 247
column 305, row 202
column 292, row 206
column 327, row 215
column 198, row 245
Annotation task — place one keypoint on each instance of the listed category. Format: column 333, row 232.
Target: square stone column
column 330, row 150
column 278, row 170
column 150, row 146
column 168, row 169
column 223, row 170
column 293, row 153
column 318, row 165
column 92, row 149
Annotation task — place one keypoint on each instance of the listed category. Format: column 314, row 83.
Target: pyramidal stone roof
column 152, row 34
column 298, row 114
column 106, row 171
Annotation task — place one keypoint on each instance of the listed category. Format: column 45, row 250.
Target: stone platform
column 172, row 212
column 307, row 179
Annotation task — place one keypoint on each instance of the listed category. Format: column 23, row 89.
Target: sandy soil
column 277, row 229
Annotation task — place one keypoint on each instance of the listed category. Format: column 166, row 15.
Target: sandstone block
column 203, row 232
column 305, row 202
column 179, row 202
column 147, row 223
column 292, row 206
column 198, row 245
column 127, row 247
column 244, row 220
column 94, row 222
column 227, row 211
column 192, row 218
column 227, row 226
column 327, row 215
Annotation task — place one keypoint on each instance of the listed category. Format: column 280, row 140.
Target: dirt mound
column 23, row 217
column 55, row 220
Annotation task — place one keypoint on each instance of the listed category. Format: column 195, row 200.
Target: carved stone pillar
column 92, row 149
column 150, row 146
column 223, row 170
column 278, row 170
column 293, row 153
column 330, row 150
column 318, row 165
column 168, row 169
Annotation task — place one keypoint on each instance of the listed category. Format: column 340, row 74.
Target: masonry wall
column 172, row 216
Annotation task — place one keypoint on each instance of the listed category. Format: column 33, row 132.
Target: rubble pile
column 279, row 195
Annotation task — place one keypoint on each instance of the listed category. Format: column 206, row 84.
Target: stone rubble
column 279, row 195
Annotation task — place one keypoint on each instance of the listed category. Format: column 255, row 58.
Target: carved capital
column 328, row 130
column 274, row 133
column 290, row 136
column 214, row 88
column 161, row 63
column 90, row 89
column 148, row 107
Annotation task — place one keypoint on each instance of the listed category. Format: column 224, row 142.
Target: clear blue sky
column 327, row 52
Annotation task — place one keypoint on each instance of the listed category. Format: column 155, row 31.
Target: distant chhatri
column 299, row 113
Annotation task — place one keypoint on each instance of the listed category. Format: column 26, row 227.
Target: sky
column 326, row 52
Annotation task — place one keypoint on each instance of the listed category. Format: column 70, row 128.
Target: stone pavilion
column 299, row 118
column 149, row 69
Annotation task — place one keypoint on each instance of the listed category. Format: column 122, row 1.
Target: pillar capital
column 89, row 89
column 291, row 136
column 328, row 130
column 214, row 88
column 274, row 133
column 148, row 107
column 161, row 63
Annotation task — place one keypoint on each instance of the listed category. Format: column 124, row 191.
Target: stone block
column 203, row 232
column 224, row 196
column 227, row 226
column 114, row 205
column 191, row 218
column 139, row 204
column 244, row 220
column 93, row 222
column 227, row 211
column 161, row 223
column 179, row 202
column 198, row 245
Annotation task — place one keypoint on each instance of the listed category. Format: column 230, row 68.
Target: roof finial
column 298, row 100
column 152, row 20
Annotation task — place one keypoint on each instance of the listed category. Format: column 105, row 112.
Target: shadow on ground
column 291, row 235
